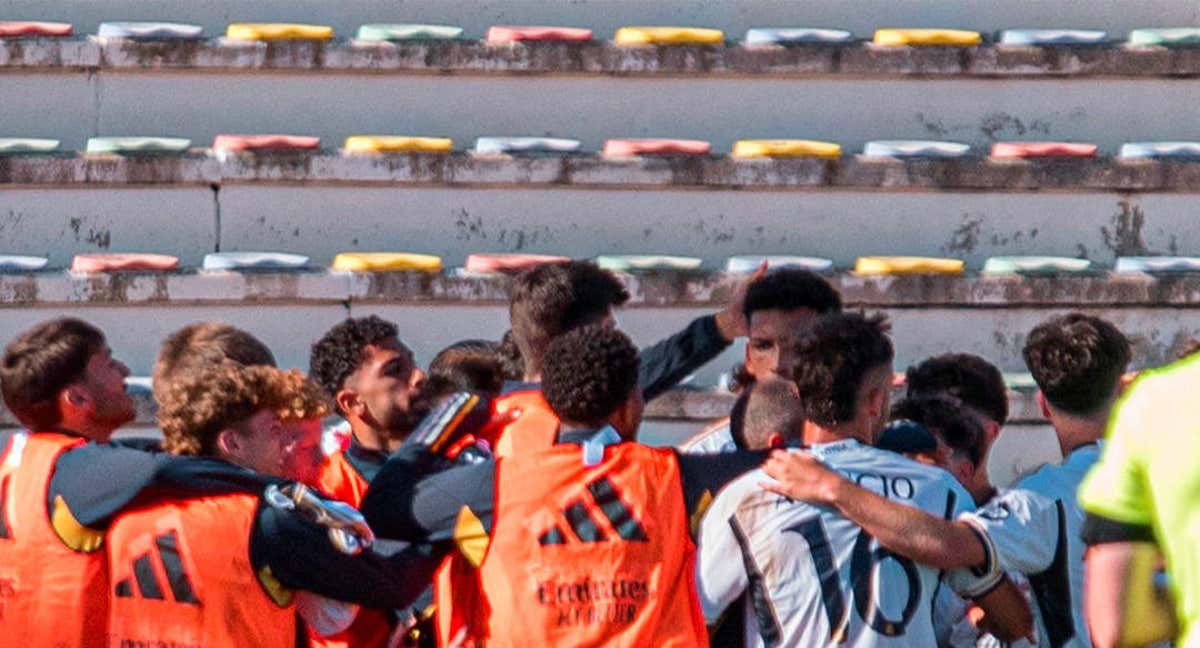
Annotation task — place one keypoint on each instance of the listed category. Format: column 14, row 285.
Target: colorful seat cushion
column 647, row 262
column 1169, row 37
column 796, row 36
column 387, row 262
column 1161, row 150
column 253, row 260
column 10, row 145
column 1034, row 265
column 138, row 145
column 402, row 32
column 21, row 263
column 750, row 263
column 396, row 144
column 525, row 145
column 1053, row 37
column 647, row 146
column 916, row 149
column 234, row 143
column 278, row 31
column 33, row 29
column 516, row 34
column 1042, row 150
column 668, row 36
column 123, row 262
column 906, row 265
column 150, row 31
column 508, row 262
column 927, row 37
column 1152, row 264
column 786, row 148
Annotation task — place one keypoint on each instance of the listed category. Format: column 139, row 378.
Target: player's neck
column 1074, row 432
column 815, row 434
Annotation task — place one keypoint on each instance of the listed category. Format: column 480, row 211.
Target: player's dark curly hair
column 969, row 378
column 343, row 348
column 789, row 289
column 948, row 419
column 589, row 373
column 554, row 298
column 1077, row 361
column 833, row 357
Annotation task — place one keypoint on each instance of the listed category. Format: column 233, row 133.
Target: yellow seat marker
column 396, row 144
column 927, row 37
column 387, row 262
column 904, row 265
column 786, row 149
column 668, row 36
column 277, row 31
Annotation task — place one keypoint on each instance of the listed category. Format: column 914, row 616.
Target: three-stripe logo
column 584, row 527
column 147, row 582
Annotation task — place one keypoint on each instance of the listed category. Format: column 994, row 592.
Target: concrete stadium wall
column 604, row 16
column 73, row 106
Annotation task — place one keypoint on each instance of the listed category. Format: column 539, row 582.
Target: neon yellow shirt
column 1149, row 475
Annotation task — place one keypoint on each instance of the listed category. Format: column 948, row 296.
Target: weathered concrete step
column 605, row 16
column 592, row 108
column 585, row 171
column 854, row 60
column 655, row 289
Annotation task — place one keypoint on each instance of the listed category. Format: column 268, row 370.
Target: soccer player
column 777, row 306
column 1141, row 507
column 377, row 387
column 553, row 298
column 585, row 542
column 813, row 576
column 62, row 482
column 224, row 570
column 1034, row 528
column 976, row 383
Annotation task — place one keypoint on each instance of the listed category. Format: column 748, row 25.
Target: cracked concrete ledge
column 591, row 170
column 677, row 404
column 599, row 57
column 648, row 290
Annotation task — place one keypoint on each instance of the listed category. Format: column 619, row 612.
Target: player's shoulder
column 715, row 438
column 861, row 456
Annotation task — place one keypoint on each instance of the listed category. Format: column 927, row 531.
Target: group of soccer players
column 501, row 498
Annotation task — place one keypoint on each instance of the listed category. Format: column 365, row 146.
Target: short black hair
column 341, row 351
column 510, row 356
column 770, row 406
column 41, row 362
column 967, row 377
column 589, row 373
column 833, row 357
column 466, row 365
column 1077, row 361
column 553, row 298
column 949, row 420
column 790, row 289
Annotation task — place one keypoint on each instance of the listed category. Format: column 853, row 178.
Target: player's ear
column 349, row 402
column 1041, row 400
column 229, row 442
column 776, row 441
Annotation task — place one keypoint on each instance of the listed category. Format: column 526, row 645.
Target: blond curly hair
column 196, row 406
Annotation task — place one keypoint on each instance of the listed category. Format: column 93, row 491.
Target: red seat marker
column 514, row 34
column 27, row 29
column 1042, row 150
column 626, row 147
column 265, row 143
column 508, row 262
column 119, row 262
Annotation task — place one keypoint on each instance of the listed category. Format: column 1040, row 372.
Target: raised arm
column 902, row 529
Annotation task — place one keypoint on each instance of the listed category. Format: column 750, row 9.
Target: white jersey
column 712, row 440
column 813, row 577
column 1035, row 529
